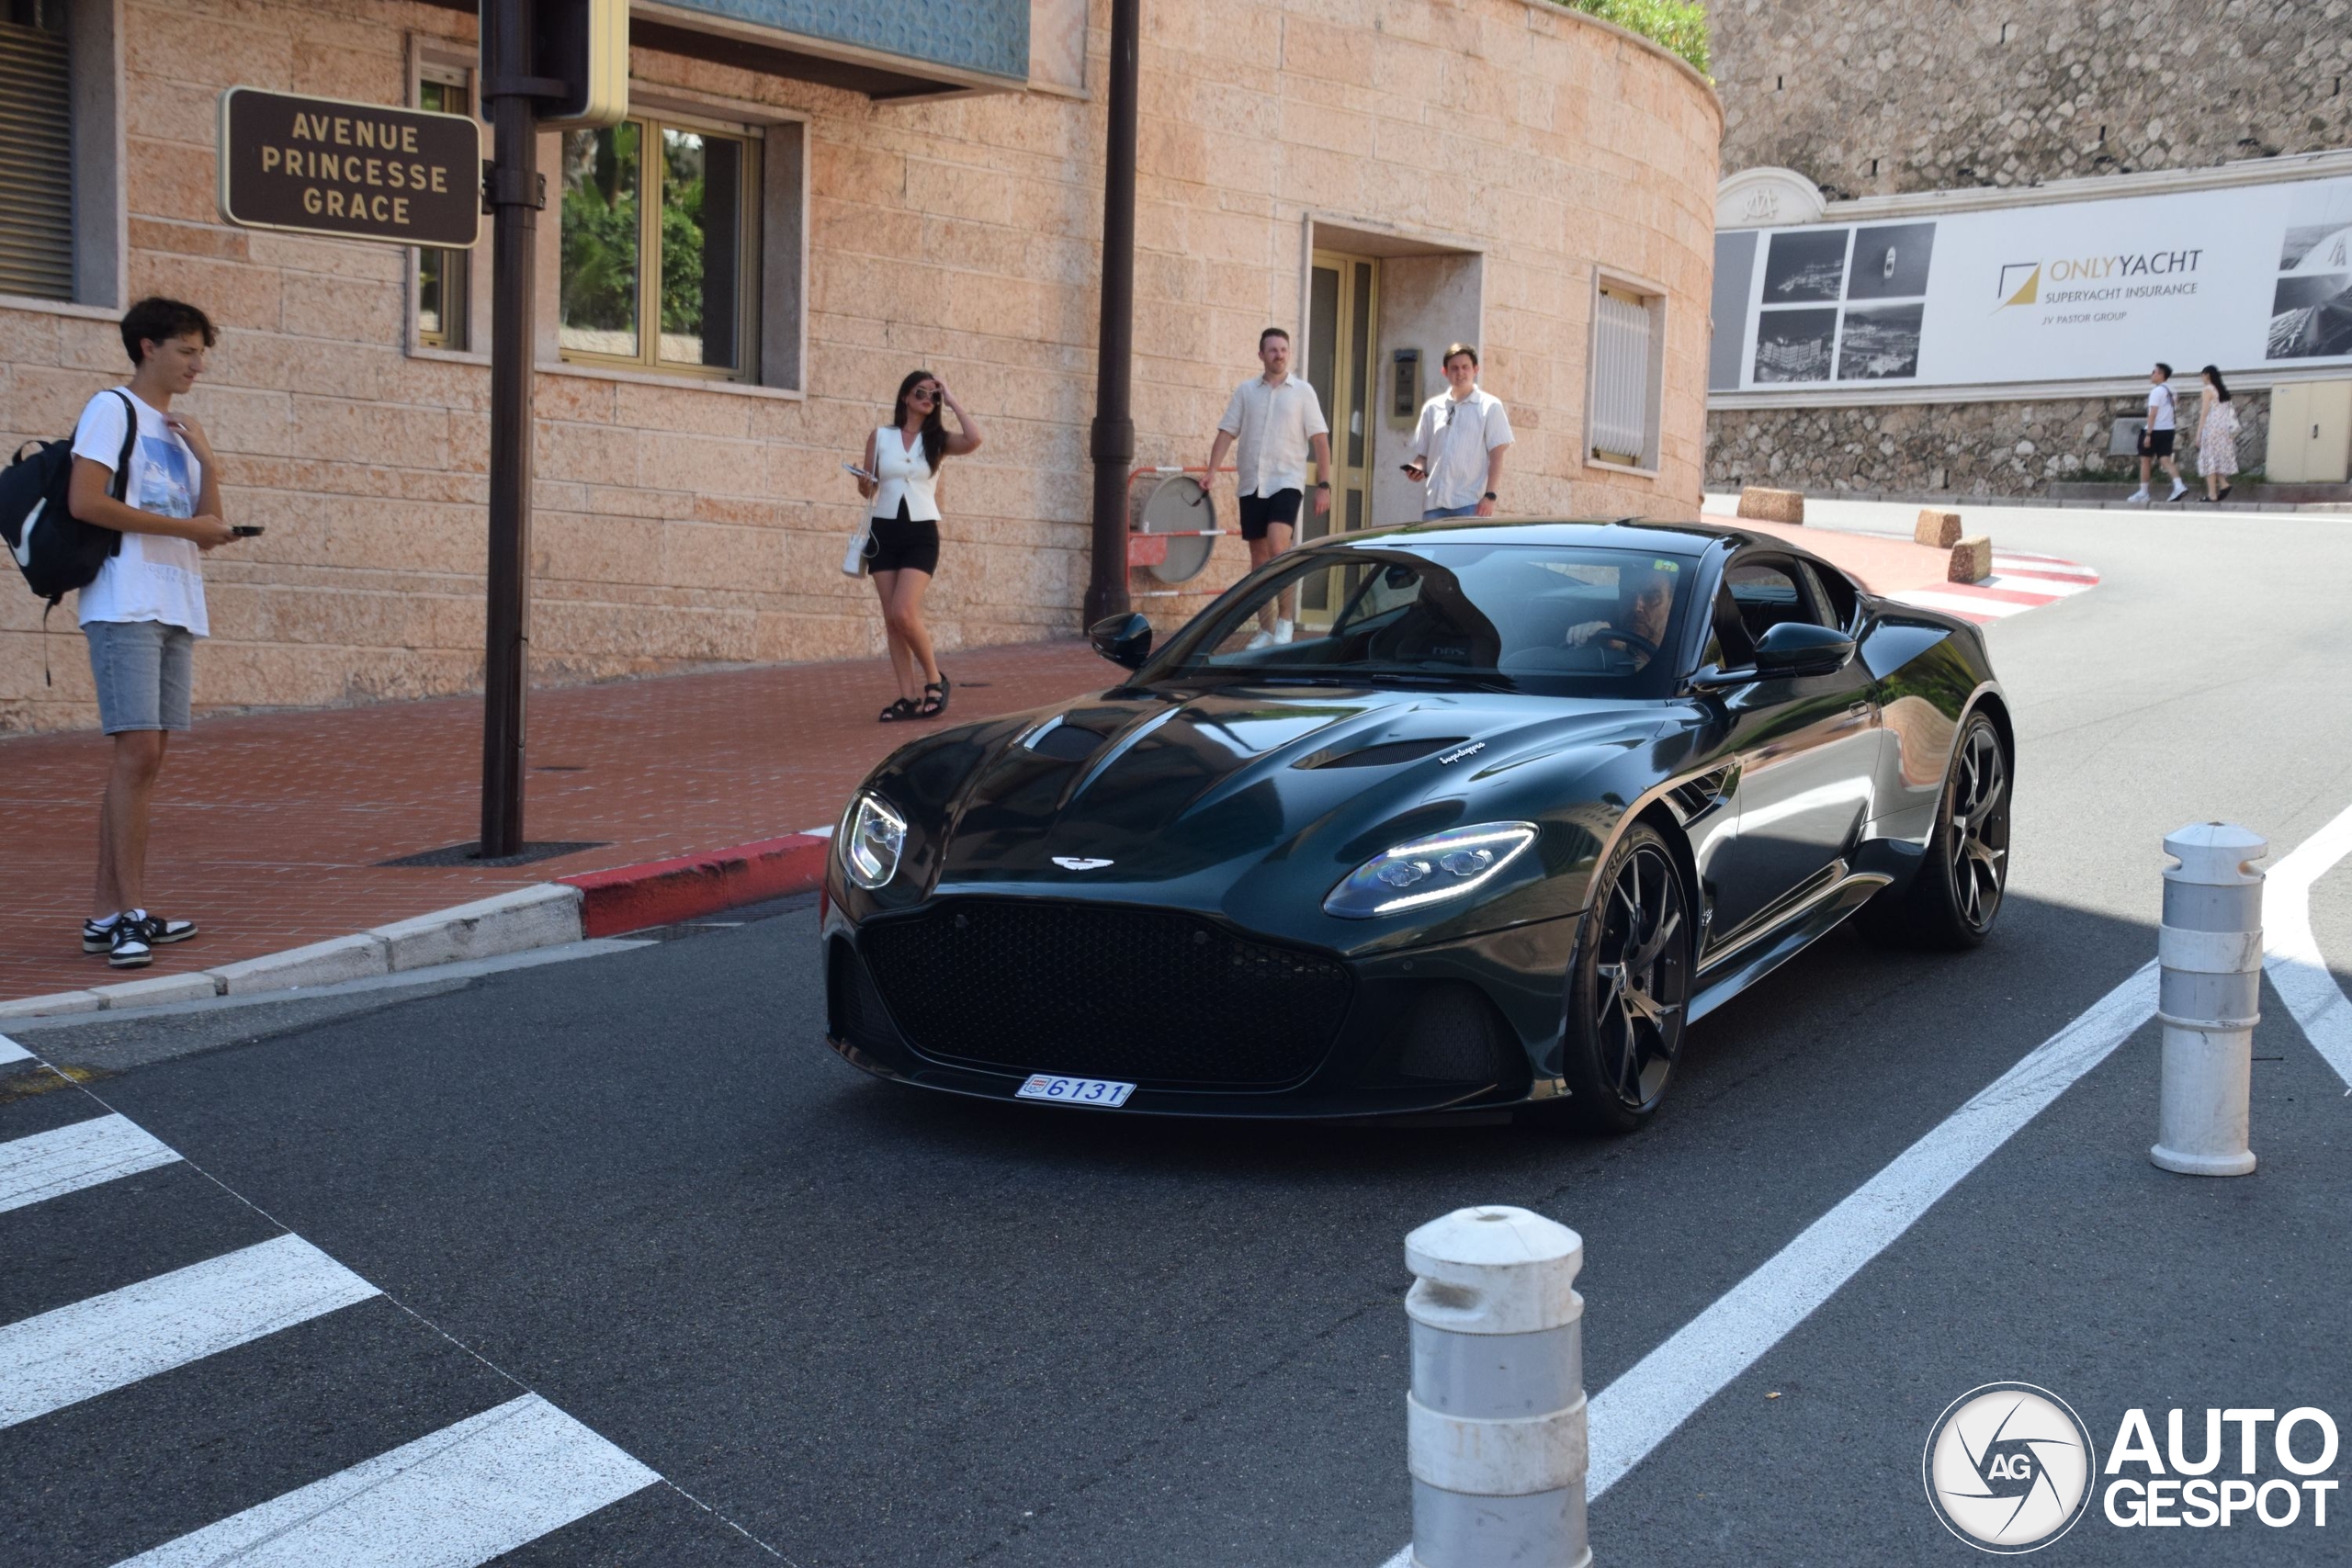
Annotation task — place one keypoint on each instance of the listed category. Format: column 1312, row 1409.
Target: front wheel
column 1627, row 987
column 1956, row 892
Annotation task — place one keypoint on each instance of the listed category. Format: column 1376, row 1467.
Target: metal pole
column 1494, row 1424
column 2209, row 995
column 1114, row 443
column 514, row 200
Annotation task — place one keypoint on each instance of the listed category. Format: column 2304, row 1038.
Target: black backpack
column 56, row 550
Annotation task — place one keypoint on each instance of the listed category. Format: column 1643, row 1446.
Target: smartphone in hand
column 246, row 530
column 855, row 471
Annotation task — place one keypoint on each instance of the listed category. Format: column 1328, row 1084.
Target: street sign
column 349, row 170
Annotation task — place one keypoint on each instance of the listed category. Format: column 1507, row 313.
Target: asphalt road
column 853, row 1324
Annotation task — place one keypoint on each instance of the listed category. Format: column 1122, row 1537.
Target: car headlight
column 876, row 836
column 1426, row 871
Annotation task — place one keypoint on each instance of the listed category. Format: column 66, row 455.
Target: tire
column 1628, row 988
column 1955, row 896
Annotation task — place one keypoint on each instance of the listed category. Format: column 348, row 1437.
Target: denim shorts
column 1439, row 513
column 143, row 670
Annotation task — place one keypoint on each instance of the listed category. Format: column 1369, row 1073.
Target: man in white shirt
column 2156, row 436
column 144, row 610
column 1278, row 425
column 1458, row 445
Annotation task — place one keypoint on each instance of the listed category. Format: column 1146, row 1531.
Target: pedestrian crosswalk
column 452, row 1496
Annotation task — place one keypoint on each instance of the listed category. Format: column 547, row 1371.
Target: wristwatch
column 1322, row 484
column 1488, row 496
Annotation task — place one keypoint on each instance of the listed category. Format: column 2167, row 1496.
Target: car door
column 1807, row 748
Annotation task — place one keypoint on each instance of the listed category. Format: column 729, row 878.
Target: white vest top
column 905, row 477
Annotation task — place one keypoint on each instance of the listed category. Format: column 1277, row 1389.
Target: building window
column 442, row 275
column 37, row 173
column 1628, row 335
column 660, row 247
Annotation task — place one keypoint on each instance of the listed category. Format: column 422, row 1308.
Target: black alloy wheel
column 1956, row 894
column 1629, row 988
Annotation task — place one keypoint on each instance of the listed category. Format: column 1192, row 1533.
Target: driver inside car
column 1645, row 601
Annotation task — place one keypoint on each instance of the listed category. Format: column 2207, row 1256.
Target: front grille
column 1146, row 996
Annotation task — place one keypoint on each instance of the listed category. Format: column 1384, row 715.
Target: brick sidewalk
column 268, row 827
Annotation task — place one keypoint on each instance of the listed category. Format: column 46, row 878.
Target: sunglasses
column 925, row 394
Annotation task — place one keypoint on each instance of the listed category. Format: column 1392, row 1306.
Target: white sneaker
column 2136, row 496
column 2179, row 489
column 1263, row 639
column 1283, row 631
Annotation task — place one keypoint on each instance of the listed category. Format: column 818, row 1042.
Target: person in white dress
column 2217, row 436
column 901, row 481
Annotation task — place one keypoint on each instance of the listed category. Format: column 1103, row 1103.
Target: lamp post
column 1113, row 444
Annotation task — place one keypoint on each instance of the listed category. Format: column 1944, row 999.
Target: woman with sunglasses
column 903, row 457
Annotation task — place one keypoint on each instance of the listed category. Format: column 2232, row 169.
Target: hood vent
column 1387, row 754
column 1067, row 742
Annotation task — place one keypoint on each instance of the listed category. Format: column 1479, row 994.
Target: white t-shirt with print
column 154, row 577
column 2161, row 406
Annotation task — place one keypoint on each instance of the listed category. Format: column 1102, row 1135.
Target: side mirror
column 1126, row 640
column 1800, row 647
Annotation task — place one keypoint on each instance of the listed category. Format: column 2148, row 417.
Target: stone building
column 1890, row 111
column 812, row 197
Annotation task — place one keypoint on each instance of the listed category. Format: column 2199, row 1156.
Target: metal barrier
column 1160, row 539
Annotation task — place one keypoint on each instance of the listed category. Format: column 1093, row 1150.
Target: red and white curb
column 545, row 914
column 2019, row 582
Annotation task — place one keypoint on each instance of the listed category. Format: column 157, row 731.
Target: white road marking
column 456, row 1497
column 12, row 1052
column 2027, row 583
column 77, row 1352
column 1666, row 1388
column 2291, row 955
column 2044, row 566
column 66, row 1159
column 1964, row 604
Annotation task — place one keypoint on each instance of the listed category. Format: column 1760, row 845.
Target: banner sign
column 2247, row 278
column 349, row 170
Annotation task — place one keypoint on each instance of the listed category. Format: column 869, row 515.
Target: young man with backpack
column 144, row 610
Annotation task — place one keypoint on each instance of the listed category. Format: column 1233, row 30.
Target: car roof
column 1598, row 533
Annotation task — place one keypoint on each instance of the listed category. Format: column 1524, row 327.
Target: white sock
column 105, row 922
column 1281, row 630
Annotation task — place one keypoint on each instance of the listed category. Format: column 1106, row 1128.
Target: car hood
column 1215, row 787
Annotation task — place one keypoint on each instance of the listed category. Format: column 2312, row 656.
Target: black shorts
column 899, row 544
column 2156, row 443
column 1258, row 510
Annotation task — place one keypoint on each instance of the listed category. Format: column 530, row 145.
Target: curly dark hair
column 158, row 320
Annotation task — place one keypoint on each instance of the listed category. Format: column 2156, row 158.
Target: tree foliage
column 1679, row 26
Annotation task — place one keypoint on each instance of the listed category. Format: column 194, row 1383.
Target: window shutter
column 37, row 173
column 1620, row 382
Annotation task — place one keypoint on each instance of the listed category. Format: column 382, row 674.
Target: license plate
column 1075, row 1091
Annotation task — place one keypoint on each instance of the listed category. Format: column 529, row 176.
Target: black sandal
column 897, row 710
column 934, row 697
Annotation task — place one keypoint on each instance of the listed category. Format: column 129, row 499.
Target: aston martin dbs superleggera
column 1516, row 805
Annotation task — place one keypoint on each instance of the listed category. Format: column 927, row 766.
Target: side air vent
column 1701, row 794
column 1388, row 754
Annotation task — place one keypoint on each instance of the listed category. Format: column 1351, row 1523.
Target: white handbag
column 861, row 540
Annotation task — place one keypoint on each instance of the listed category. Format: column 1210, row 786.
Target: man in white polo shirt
column 1278, row 425
column 1458, row 447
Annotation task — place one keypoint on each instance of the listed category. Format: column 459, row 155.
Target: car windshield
column 1555, row 619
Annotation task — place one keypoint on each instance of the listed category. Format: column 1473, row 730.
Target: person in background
column 1277, row 423
column 2156, row 437
column 903, row 457
column 2217, row 436
column 144, row 610
column 1459, row 444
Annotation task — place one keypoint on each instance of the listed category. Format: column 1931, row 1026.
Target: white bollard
column 1494, row 1424
column 2209, row 995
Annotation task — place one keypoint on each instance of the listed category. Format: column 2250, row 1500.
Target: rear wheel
column 1956, row 893
column 1627, row 987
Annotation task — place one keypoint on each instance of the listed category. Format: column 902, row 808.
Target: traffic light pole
column 1112, row 446
column 514, row 199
